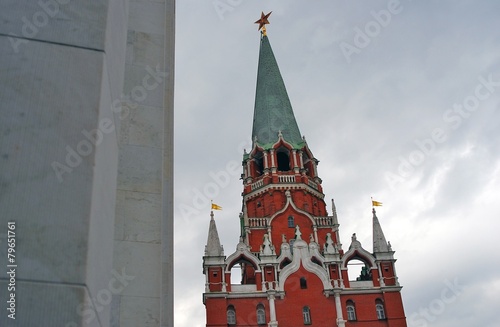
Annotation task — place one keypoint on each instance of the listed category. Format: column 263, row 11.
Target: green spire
column 273, row 111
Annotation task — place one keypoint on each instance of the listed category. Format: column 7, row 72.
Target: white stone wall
column 143, row 239
column 92, row 221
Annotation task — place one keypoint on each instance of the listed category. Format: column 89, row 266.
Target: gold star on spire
column 263, row 21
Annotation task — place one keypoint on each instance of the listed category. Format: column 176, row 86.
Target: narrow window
column 259, row 164
column 283, row 161
column 379, row 306
column 351, row 311
column 261, row 315
column 291, row 222
column 306, row 314
column 231, row 315
column 303, row 283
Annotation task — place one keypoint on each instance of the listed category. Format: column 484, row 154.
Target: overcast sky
column 398, row 100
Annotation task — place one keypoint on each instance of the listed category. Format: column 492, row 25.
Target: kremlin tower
column 294, row 269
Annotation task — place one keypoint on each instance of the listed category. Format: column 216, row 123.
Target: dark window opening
column 283, row 161
column 285, row 263
column 259, row 164
column 316, row 261
column 291, row 222
column 303, row 283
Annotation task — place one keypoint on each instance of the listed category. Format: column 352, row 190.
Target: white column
column 338, row 306
column 315, row 169
column 249, row 171
column 294, row 154
column 263, row 278
column 272, row 312
column 207, row 285
column 396, row 279
column 340, row 276
column 223, row 280
column 381, row 276
column 273, row 163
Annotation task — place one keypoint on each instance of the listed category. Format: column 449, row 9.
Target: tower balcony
column 325, row 221
column 286, row 179
column 263, row 222
column 283, row 178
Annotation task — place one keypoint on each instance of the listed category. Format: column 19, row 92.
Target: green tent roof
column 273, row 111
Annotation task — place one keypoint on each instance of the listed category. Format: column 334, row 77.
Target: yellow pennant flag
column 376, row 203
column 216, row 207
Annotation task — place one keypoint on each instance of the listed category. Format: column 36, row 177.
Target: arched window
column 303, row 283
column 231, row 315
column 308, row 165
column 379, row 307
column 291, row 222
column 306, row 314
column 351, row 310
column 283, row 160
column 358, row 270
column 261, row 315
column 259, row 164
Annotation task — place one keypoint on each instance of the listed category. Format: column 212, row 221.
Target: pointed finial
column 329, row 246
column 334, row 208
column 262, row 22
column 297, row 233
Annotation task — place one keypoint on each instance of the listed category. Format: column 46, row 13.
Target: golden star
column 263, row 20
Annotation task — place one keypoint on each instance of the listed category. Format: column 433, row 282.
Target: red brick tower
column 294, row 271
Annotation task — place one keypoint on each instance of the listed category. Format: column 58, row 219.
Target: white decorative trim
column 356, row 250
column 242, row 250
column 280, row 187
column 289, row 202
column 302, row 256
